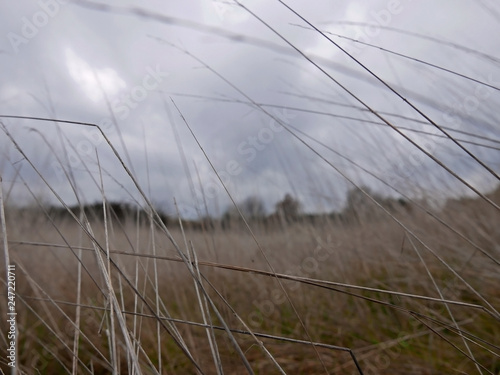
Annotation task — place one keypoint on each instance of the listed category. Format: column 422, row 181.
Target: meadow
column 360, row 285
column 392, row 269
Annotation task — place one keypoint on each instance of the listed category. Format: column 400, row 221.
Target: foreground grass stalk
column 116, row 307
column 108, row 280
column 431, row 277
column 78, row 301
column 205, row 313
column 6, row 255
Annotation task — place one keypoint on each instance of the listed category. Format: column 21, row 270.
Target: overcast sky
column 124, row 65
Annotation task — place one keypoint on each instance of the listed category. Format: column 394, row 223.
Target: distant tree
column 288, row 209
column 252, row 208
column 356, row 198
column 359, row 206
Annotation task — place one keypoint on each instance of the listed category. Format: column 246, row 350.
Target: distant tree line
column 358, row 208
column 116, row 211
column 362, row 205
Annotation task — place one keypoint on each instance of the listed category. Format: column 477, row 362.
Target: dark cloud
column 120, row 66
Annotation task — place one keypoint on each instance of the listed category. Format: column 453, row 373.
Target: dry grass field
column 271, row 191
column 366, row 286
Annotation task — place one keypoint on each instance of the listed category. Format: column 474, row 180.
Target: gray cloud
column 87, row 59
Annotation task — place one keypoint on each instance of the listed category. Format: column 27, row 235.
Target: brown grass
column 387, row 333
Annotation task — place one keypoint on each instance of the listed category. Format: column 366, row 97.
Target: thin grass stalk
column 4, row 231
column 122, row 301
column 261, row 344
column 43, row 344
column 387, row 344
column 182, row 155
column 142, row 305
column 155, row 267
column 108, row 278
column 306, row 280
column 7, row 265
column 407, row 57
column 38, row 289
column 196, row 281
column 116, row 308
column 205, row 313
column 455, row 346
column 113, row 119
column 69, row 174
column 74, row 189
column 214, row 308
column 56, row 334
column 157, row 291
column 385, row 113
column 431, row 277
column 45, row 308
column 136, row 278
column 373, row 300
column 170, row 328
column 476, row 340
column 48, row 216
column 76, row 339
column 441, row 42
column 207, row 215
column 17, row 171
column 228, row 331
column 140, row 350
column 352, row 118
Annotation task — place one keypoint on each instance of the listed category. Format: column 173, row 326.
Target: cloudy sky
column 276, row 106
